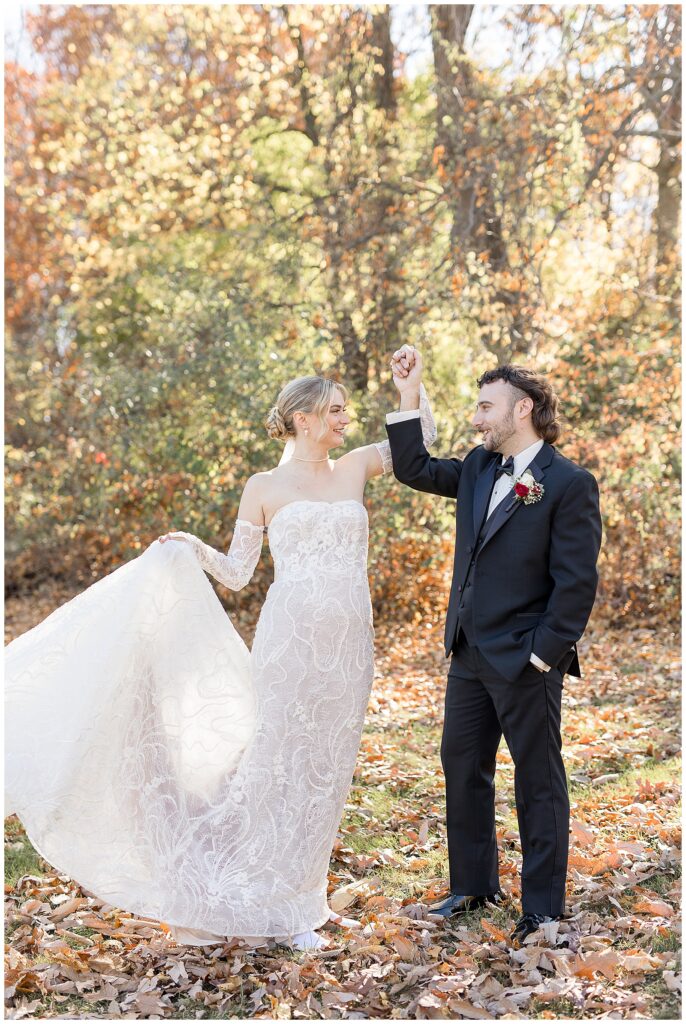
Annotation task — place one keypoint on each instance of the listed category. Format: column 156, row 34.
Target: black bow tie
column 506, row 467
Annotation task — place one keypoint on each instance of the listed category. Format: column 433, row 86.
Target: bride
column 169, row 770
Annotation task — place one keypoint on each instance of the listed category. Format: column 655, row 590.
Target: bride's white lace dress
column 169, row 770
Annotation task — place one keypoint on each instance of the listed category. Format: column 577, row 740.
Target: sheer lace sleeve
column 428, row 429
column 235, row 568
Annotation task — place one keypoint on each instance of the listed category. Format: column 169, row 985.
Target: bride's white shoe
column 195, row 937
column 312, row 940
column 344, row 922
column 308, row 940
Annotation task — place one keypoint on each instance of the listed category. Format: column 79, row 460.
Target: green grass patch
column 399, row 883
column 379, row 803
column 665, row 943
column 192, row 1009
column 561, row 1009
column 662, row 882
column 653, row 771
column 22, row 859
column 663, row 1004
column 365, row 840
column 82, row 929
column 74, row 1008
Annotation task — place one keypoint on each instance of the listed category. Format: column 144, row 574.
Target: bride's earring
column 307, row 431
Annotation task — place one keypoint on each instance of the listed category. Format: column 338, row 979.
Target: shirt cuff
column 405, row 414
column 539, row 663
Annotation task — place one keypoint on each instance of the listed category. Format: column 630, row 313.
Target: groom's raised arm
column 412, row 464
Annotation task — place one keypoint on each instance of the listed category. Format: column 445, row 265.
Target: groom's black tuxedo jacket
column 534, row 576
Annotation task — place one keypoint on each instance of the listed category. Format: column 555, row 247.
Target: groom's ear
column 528, row 404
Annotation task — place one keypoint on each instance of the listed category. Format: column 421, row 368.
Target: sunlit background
column 205, row 200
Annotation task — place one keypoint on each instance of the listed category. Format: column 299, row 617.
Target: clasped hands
column 406, row 366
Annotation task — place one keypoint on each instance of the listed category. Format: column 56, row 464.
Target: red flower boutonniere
column 527, row 488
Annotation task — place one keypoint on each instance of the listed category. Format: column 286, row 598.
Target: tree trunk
column 476, row 223
column 668, row 207
column 384, row 332
column 665, row 100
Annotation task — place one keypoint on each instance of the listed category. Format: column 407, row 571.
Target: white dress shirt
column 503, row 485
column 401, row 414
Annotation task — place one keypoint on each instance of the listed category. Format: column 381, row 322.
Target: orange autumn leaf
column 496, row 933
column 605, row 962
column 581, row 834
column 657, row 908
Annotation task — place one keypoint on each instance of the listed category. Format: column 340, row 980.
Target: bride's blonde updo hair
column 304, row 394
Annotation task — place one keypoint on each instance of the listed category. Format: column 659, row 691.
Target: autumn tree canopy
column 203, row 201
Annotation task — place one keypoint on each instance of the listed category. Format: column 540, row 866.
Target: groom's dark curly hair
column 527, row 383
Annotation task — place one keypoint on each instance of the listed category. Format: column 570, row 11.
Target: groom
column 524, row 582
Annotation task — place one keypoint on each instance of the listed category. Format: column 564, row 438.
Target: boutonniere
column 527, row 489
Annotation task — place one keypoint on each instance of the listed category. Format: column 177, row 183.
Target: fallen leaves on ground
column 617, row 953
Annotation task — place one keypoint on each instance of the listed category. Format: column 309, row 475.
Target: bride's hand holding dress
column 170, row 770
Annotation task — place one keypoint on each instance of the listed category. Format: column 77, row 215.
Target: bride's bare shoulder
column 254, row 498
column 264, row 485
column 260, row 479
column 268, row 478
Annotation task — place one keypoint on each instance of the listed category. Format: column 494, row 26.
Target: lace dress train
column 169, row 770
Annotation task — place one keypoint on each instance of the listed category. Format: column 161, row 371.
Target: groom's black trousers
column 480, row 707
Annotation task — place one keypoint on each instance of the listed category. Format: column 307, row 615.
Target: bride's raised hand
column 406, row 366
column 401, row 360
column 175, row 535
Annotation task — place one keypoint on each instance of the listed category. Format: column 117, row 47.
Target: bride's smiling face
column 337, row 420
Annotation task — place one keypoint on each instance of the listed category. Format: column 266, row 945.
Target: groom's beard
column 499, row 434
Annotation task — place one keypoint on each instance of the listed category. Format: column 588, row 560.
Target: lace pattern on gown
column 171, row 771
column 235, row 568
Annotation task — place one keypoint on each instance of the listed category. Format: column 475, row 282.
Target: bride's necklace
column 298, row 459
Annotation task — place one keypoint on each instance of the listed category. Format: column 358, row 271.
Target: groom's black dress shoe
column 527, row 924
column 454, row 904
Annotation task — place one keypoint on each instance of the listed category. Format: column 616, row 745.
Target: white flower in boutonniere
column 527, row 489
